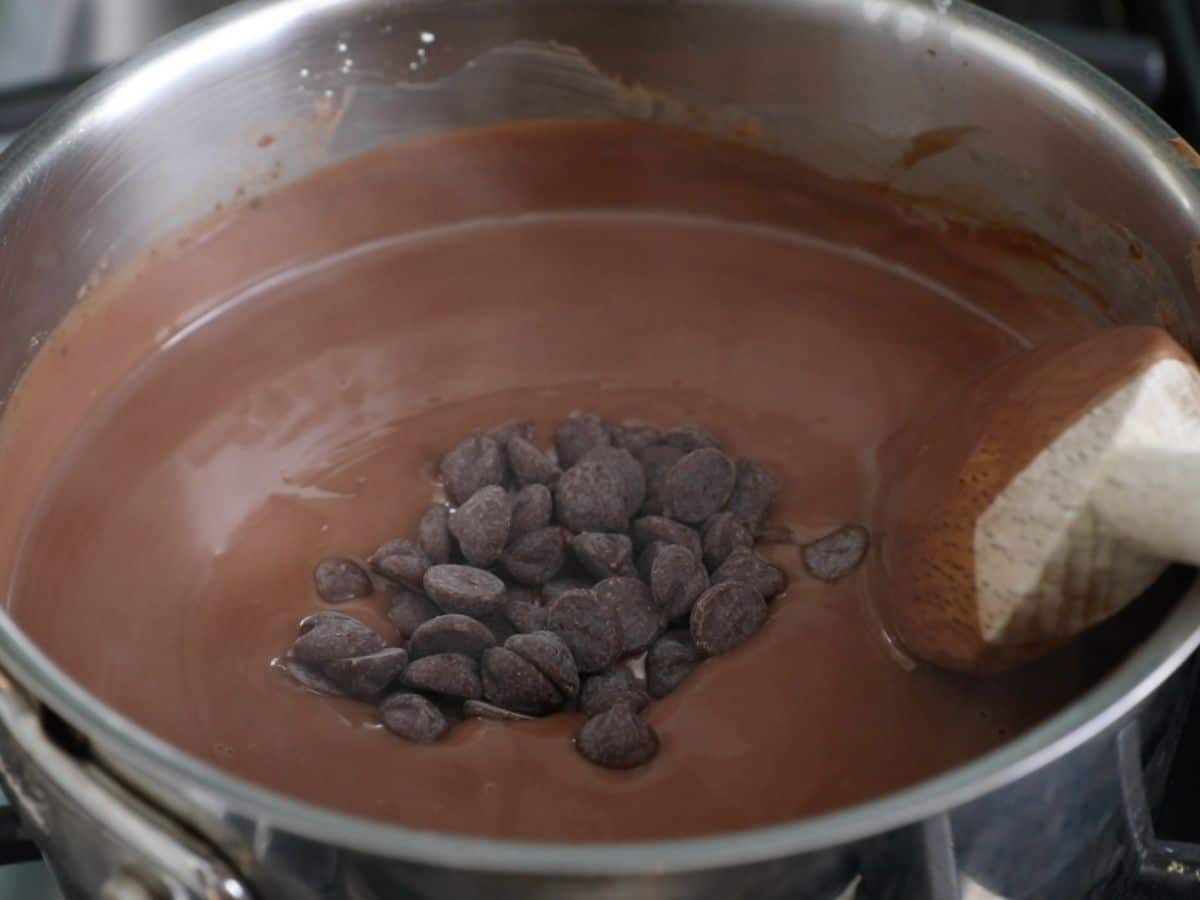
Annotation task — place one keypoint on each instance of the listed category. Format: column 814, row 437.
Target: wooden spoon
column 1043, row 500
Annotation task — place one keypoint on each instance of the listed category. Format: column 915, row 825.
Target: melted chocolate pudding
column 237, row 407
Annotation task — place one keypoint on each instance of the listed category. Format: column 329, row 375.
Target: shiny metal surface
column 843, row 84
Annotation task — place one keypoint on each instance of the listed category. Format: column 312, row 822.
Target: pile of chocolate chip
column 592, row 578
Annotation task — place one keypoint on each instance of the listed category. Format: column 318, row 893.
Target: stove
column 1151, row 47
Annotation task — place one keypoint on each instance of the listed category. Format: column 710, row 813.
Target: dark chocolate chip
column 532, row 508
column 451, row 674
column 325, row 636
column 512, row 682
column 669, row 661
column 676, row 580
column 745, row 565
column 556, row 587
column 547, row 652
column 753, row 491
column 481, row 525
column 617, row 739
column 588, row 627
column 537, row 557
column 635, row 436
column 838, row 554
column 410, row 609
column 413, row 717
column 338, row 579
column 648, row 529
column 726, row 615
column 531, row 465
column 641, row 620
column 604, row 555
column 505, row 433
column 604, row 691
column 657, row 460
column 481, row 709
column 629, row 472
column 690, row 437
column 433, row 534
column 592, row 496
column 721, row 535
column 307, row 676
column 450, row 633
column 645, row 560
column 464, row 589
column 575, row 436
column 401, row 562
column 525, row 615
column 699, row 484
column 476, row 462
column 366, row 677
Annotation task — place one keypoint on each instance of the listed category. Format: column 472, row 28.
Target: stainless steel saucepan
column 1040, row 142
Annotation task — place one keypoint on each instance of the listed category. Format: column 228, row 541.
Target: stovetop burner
column 1151, row 47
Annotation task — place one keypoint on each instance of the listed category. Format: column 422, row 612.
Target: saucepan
column 940, row 100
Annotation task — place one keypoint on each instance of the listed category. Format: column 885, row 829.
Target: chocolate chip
column 531, row 465
column 525, row 615
column 338, row 579
column 575, row 436
column 745, row 565
column 413, row 717
column 401, row 562
column 721, row 535
column 592, row 496
column 481, row 709
column 588, row 627
column 325, row 636
column 640, row 619
column 753, row 491
column 699, row 484
column 657, row 460
column 726, row 615
column 676, row 580
column 838, row 554
column 617, row 739
column 549, row 654
column 603, row 555
column 532, row 508
column 450, row 633
column 556, row 587
column 521, row 428
column 512, row 682
column 648, row 529
column 690, row 437
column 604, row 691
column 669, row 662
column 452, row 674
column 635, row 436
column 463, row 589
column 433, row 534
column 475, row 463
column 307, row 676
column 628, row 471
column 481, row 525
column 645, row 560
column 366, row 677
column 410, row 609
column 536, row 557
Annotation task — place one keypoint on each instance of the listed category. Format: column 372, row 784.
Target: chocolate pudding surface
column 278, row 386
